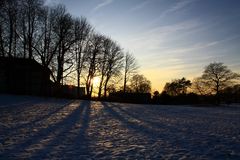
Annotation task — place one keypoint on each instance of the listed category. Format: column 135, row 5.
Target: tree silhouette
column 218, row 77
column 68, row 46
column 177, row 87
column 114, row 64
column 94, row 50
column 8, row 27
column 130, row 67
column 156, row 93
column 140, row 84
column 31, row 10
column 106, row 45
column 82, row 30
column 201, row 86
column 63, row 28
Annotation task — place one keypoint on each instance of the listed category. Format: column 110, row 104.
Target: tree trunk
column 105, row 87
column 2, row 52
column 100, row 87
column 217, row 94
column 124, row 83
column 78, row 72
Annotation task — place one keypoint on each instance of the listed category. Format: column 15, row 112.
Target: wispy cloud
column 200, row 46
column 172, row 40
column 170, row 51
column 104, row 3
column 139, row 6
column 51, row 2
column 157, row 37
column 168, row 29
column 177, row 7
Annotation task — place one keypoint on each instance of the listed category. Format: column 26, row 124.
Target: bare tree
column 94, row 50
column 63, row 28
column 64, row 44
column 2, row 45
column 114, row 64
column 140, row 84
column 130, row 67
column 107, row 42
column 201, row 86
column 2, row 27
column 219, row 77
column 31, row 10
column 8, row 27
column 82, row 31
column 110, row 63
column 45, row 47
column 177, row 87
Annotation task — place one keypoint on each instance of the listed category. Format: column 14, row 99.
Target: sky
column 170, row 39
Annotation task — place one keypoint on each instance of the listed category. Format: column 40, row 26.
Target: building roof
column 12, row 62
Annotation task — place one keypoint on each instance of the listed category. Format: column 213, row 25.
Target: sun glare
column 96, row 81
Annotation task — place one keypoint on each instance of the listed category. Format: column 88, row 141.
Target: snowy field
column 38, row 128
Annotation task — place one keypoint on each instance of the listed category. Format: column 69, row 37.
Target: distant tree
column 177, row 87
column 156, row 96
column 218, row 76
column 235, row 89
column 140, row 84
column 156, row 93
column 112, row 88
column 232, row 94
column 130, row 68
column 201, row 86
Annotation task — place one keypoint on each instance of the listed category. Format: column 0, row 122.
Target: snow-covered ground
column 40, row 128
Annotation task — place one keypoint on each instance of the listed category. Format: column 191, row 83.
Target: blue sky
column 169, row 38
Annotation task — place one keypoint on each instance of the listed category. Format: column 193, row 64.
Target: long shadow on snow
column 151, row 124
column 13, row 130
column 148, row 130
column 130, row 125
column 191, row 142
column 60, row 128
column 73, row 139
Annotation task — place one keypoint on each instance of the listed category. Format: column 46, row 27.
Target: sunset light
column 96, row 81
column 120, row 79
column 170, row 39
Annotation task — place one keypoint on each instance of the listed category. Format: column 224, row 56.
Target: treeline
column 216, row 85
column 68, row 46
